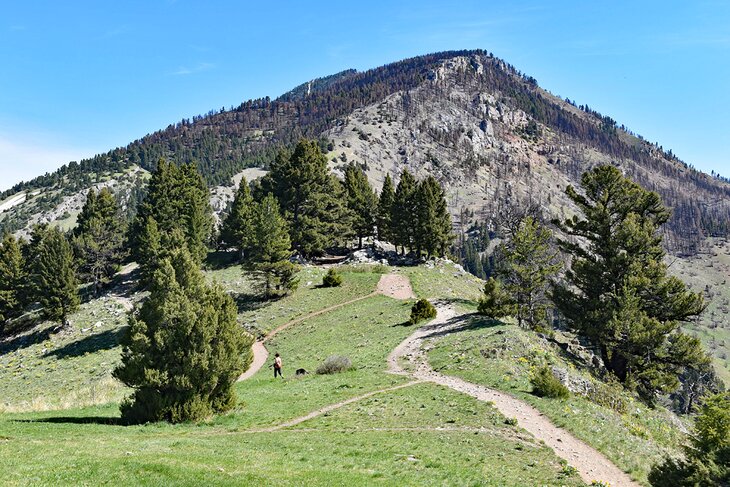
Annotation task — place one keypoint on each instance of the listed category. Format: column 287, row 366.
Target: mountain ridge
column 570, row 137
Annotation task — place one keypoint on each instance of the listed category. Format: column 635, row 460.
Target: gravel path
column 392, row 285
column 590, row 463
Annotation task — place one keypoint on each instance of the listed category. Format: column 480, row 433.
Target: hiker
column 277, row 366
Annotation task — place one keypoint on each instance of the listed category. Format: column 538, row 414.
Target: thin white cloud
column 21, row 160
column 185, row 70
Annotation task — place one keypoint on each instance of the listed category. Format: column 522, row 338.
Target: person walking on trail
column 277, row 366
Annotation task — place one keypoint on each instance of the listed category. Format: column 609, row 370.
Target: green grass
column 41, row 370
column 443, row 280
column 262, row 317
column 503, row 356
column 390, row 438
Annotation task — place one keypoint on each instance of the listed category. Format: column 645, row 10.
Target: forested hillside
column 563, row 135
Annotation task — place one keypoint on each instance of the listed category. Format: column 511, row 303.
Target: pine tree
column 362, row 200
column 237, row 228
column 184, row 350
column 11, row 278
column 270, row 249
column 385, row 210
column 432, row 223
column 311, row 199
column 54, row 277
column 618, row 293
column 495, row 302
column 531, row 262
column 177, row 199
column 98, row 239
column 403, row 215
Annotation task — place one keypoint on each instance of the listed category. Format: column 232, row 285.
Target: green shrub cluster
column 332, row 278
column 545, row 384
column 422, row 310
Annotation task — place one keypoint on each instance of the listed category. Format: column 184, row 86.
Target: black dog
column 301, row 372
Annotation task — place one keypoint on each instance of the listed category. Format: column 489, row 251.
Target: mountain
column 487, row 131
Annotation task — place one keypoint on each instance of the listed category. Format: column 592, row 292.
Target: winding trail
column 393, row 285
column 590, row 463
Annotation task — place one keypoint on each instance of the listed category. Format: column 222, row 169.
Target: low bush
column 422, row 310
column 334, row 365
column 545, row 384
column 332, row 278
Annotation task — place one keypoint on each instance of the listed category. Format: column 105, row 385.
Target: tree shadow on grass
column 105, row 340
column 26, row 340
column 104, row 420
column 249, row 301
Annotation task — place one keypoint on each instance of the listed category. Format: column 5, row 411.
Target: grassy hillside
column 708, row 272
column 418, row 435
column 503, row 356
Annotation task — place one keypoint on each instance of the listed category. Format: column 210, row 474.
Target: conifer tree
column 183, row 351
column 362, row 200
column 54, row 277
column 311, row 199
column 98, row 239
column 385, row 210
column 706, row 462
column 531, row 261
column 11, row 278
column 404, row 211
column 432, row 223
column 237, row 228
column 177, row 198
column 270, row 249
column 618, row 292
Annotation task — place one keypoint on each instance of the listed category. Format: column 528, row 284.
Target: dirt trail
column 590, row 463
column 392, row 285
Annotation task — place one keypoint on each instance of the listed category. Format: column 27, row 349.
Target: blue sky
column 80, row 78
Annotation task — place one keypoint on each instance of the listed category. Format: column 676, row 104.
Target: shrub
column 422, row 310
column 545, row 384
column 495, row 302
column 511, row 421
column 334, row 365
column 706, row 459
column 331, row 279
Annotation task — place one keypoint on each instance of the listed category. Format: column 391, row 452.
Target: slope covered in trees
column 223, row 142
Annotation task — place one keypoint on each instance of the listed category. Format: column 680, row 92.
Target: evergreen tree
column 270, row 249
column 311, row 198
column 432, row 222
column 11, row 278
column 495, row 303
column 385, row 210
column 362, row 201
column 707, row 459
column 531, row 261
column 102, row 206
column 183, row 351
column 237, row 228
column 98, row 239
column 618, row 293
column 177, row 199
column 53, row 275
column 403, row 215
